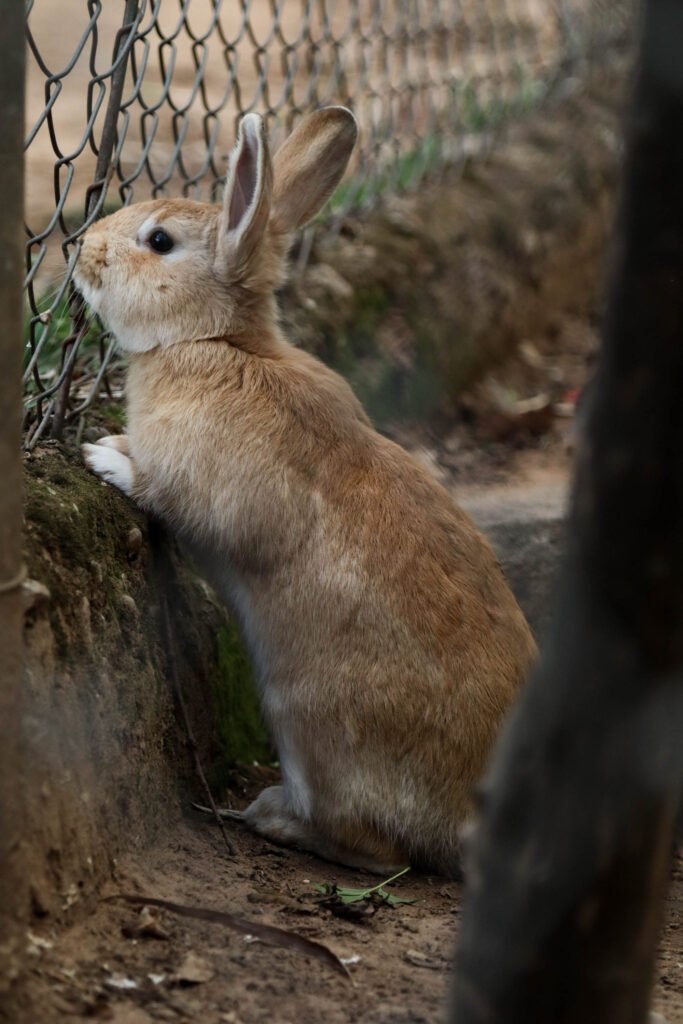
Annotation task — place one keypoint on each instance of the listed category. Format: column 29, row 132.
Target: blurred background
column 138, row 99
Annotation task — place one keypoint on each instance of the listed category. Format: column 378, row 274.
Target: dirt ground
column 104, row 968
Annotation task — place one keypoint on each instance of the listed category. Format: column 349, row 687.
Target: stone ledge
column 526, row 526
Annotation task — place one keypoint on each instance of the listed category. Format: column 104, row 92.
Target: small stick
column 268, row 933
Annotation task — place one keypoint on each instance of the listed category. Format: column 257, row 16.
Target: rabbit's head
column 174, row 270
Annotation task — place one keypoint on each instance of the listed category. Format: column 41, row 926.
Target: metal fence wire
column 131, row 99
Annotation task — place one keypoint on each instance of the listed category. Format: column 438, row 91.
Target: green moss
column 49, row 328
column 114, row 413
column 359, row 336
column 75, row 540
column 239, row 728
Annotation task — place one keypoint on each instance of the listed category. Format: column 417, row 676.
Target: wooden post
column 572, row 859
column 11, row 261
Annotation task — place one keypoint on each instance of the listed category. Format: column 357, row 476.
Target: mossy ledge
column 107, row 762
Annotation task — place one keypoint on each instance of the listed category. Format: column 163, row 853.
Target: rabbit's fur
column 386, row 642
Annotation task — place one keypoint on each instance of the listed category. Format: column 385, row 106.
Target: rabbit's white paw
column 110, row 464
column 118, row 441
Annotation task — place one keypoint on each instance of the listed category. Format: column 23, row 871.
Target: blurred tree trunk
column 11, row 259
column 572, row 859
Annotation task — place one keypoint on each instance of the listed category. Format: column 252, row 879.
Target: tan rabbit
column 386, row 642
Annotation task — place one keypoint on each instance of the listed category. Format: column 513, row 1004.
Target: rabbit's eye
column 160, row 241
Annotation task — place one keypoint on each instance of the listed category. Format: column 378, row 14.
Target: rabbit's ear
column 247, row 196
column 309, row 165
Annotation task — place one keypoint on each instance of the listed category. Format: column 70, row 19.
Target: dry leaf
column 418, row 959
column 194, row 970
column 119, row 981
column 148, row 926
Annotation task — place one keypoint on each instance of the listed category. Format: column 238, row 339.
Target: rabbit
column 386, row 643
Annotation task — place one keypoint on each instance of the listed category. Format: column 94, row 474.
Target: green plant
column 346, row 895
column 49, row 328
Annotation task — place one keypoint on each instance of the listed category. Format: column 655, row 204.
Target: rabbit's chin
column 129, row 338
column 132, row 340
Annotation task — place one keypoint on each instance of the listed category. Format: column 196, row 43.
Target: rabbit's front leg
column 109, row 458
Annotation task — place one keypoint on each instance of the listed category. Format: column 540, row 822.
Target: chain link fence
column 131, row 99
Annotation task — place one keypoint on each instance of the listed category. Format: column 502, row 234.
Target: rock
column 128, row 606
column 93, row 434
column 525, row 525
column 194, row 970
column 134, row 542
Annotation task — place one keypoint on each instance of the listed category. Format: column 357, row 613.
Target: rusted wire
column 140, row 99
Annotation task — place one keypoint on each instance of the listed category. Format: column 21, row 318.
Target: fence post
column 11, row 260
column 572, row 858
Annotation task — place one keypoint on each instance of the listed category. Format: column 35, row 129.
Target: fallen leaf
column 148, row 926
column 418, row 959
column 194, row 970
column 36, row 944
column 119, row 981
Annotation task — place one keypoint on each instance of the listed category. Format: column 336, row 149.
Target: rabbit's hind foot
column 270, row 816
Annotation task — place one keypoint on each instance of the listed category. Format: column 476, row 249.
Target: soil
column 99, row 969
column 404, row 951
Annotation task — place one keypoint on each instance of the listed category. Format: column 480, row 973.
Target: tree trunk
column 572, row 857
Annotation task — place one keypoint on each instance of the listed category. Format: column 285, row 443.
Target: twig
column 267, row 933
